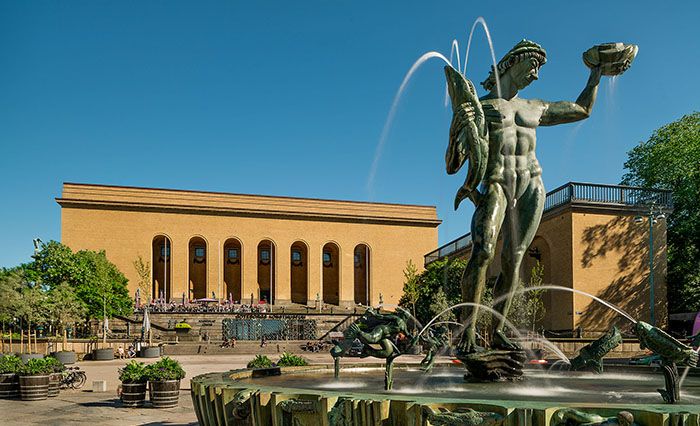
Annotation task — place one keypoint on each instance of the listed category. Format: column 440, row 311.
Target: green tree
column 143, row 270
column 11, row 281
column 411, row 288
column 97, row 282
column 32, row 308
column 65, row 308
column 670, row 160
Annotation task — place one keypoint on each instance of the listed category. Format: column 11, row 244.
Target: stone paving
column 104, row 408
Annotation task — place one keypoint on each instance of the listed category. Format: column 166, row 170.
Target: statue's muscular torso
column 511, row 128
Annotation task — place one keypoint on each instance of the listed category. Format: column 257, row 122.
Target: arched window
column 198, row 268
column 266, row 271
column 299, row 272
column 331, row 274
column 361, row 260
column 233, row 275
column 161, row 266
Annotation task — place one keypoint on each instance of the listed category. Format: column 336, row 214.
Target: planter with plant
column 34, row 379
column 290, row 360
column 56, row 369
column 260, row 361
column 9, row 380
column 133, row 378
column 164, row 382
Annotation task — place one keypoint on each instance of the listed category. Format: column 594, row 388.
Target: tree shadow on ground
column 629, row 289
column 114, row 403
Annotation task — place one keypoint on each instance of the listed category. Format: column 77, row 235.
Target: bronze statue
column 591, row 355
column 389, row 331
column 573, row 417
column 497, row 134
column 672, row 353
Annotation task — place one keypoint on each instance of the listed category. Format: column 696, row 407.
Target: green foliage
column 439, row 275
column 11, row 281
column 33, row 305
column 54, row 365
column 165, row 369
column 36, row 367
column 260, row 361
column 10, row 364
column 64, row 306
column 411, row 287
column 143, row 271
column 670, row 159
column 95, row 280
column 290, row 360
column 133, row 372
column 527, row 308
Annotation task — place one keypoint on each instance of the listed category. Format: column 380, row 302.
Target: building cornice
column 102, row 197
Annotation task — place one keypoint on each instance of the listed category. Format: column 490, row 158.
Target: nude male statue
column 497, row 133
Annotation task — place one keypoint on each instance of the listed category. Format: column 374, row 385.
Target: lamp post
column 653, row 216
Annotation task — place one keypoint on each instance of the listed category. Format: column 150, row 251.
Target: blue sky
column 289, row 98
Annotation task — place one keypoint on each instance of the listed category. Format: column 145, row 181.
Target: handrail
column 580, row 193
column 335, row 327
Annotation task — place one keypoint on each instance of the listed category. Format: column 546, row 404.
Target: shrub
column 10, row 364
column 164, row 369
column 35, row 367
column 291, row 360
column 260, row 361
column 54, row 365
column 133, row 372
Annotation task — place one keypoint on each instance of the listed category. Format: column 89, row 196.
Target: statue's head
column 523, row 62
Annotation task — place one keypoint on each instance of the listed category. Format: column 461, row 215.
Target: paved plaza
column 104, row 408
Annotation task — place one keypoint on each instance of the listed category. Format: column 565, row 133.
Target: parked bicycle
column 73, row 377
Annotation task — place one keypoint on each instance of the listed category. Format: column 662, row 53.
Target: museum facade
column 250, row 248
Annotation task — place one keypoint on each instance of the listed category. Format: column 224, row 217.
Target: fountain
column 492, row 385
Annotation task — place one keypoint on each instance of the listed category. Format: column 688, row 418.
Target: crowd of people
column 177, row 308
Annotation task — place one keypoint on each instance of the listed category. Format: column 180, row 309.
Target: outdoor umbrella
column 146, row 326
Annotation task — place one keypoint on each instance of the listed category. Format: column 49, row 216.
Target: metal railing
column 582, row 194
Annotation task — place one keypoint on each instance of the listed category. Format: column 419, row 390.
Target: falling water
column 475, row 305
column 480, row 20
column 551, row 346
column 556, row 287
column 453, row 50
column 392, row 111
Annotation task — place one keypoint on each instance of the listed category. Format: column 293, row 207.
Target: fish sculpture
column 662, row 344
column 468, row 136
column 591, row 355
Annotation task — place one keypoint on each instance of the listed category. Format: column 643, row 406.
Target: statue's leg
column 521, row 222
column 486, row 225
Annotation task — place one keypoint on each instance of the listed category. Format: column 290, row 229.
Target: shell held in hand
column 613, row 58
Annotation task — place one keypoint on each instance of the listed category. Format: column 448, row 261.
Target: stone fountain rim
column 231, row 380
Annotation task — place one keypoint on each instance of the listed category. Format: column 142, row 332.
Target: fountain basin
column 311, row 396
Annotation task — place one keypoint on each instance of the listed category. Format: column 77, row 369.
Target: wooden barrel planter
column 165, row 393
column 27, row 357
column 150, row 352
column 66, row 357
column 134, row 394
column 103, row 354
column 9, row 385
column 54, row 384
column 34, row 388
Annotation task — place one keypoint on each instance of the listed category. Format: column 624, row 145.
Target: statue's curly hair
column 523, row 50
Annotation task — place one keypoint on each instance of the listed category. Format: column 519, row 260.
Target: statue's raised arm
column 468, row 135
column 609, row 59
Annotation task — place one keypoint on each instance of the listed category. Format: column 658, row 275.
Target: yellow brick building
column 282, row 250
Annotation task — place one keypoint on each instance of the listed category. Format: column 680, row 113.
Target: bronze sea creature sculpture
column 672, row 353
